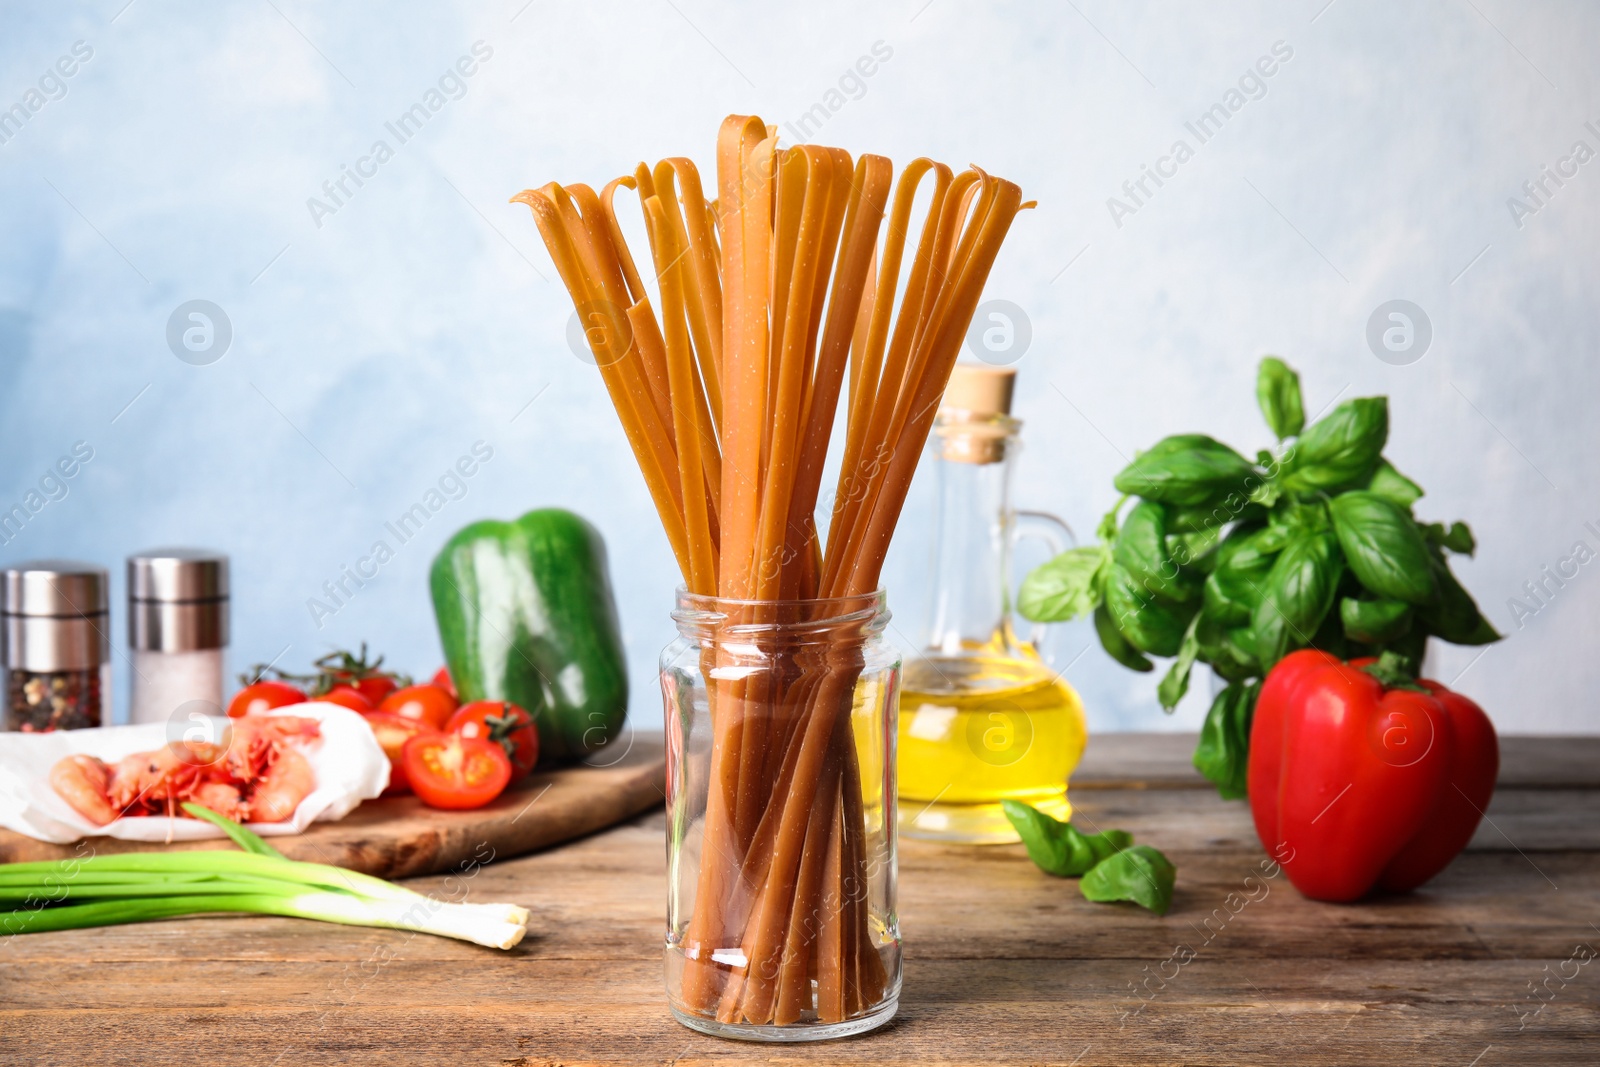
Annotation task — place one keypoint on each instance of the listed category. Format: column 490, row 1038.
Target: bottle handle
column 1057, row 536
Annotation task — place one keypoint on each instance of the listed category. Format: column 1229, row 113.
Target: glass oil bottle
column 982, row 717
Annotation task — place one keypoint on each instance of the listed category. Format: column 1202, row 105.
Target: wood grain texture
column 397, row 837
column 1004, row 964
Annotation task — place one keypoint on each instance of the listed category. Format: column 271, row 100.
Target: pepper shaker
column 55, row 645
column 178, row 631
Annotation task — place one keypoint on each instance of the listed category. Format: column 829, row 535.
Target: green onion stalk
column 143, row 886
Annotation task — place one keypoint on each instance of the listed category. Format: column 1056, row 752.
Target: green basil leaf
column 1243, row 564
column 1278, row 393
column 1064, row 588
column 1299, row 591
column 1227, row 610
column 1116, row 645
column 1195, row 550
column 1138, row 874
column 1141, row 548
column 1384, row 547
column 1151, row 625
column 1394, row 486
column 1060, row 848
column 1216, row 514
column 1457, row 537
column 1176, row 682
column 1220, row 648
column 1341, row 448
column 1373, row 622
column 1186, row 469
column 1455, row 617
column 1223, row 754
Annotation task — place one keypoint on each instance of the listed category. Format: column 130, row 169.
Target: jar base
column 971, row 824
column 789, row 1034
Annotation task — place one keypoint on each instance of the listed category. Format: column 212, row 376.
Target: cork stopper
column 975, row 422
column 980, row 389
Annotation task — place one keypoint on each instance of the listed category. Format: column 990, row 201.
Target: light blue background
column 372, row 351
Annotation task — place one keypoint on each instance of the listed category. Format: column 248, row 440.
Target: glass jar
column 780, row 728
column 178, row 633
column 55, row 646
column 985, row 718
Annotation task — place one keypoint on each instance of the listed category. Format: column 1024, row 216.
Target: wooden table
column 1003, row 964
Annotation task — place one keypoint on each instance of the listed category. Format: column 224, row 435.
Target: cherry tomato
column 392, row 733
column 454, row 772
column 349, row 696
column 442, row 679
column 425, row 703
column 263, row 696
column 497, row 720
column 376, row 688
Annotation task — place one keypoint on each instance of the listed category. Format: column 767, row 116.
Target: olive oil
column 979, row 729
column 982, row 717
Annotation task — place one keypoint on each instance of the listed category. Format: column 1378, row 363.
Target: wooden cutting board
column 398, row 837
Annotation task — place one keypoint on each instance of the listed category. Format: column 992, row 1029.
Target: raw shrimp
column 224, row 799
column 259, row 774
column 256, row 741
column 161, row 778
column 288, row 781
column 82, row 782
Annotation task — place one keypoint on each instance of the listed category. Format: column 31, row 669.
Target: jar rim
column 704, row 609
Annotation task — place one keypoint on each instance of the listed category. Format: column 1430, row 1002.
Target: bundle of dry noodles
column 728, row 384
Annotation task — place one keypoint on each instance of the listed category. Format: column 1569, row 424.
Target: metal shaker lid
column 57, row 588
column 177, row 575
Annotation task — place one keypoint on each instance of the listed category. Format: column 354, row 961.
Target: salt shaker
column 55, row 645
column 178, row 631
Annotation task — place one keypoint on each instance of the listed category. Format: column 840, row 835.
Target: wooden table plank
column 1004, row 964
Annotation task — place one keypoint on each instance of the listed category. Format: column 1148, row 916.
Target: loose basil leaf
column 1299, row 591
column 1139, row 874
column 1341, row 448
column 1141, row 548
column 1373, row 622
column 1384, row 547
column 1455, row 617
column 1394, row 486
column 1064, row 588
column 1223, row 754
column 1176, row 682
column 1150, row 625
column 1278, row 393
column 1185, row 469
column 1059, row 848
column 1116, row 645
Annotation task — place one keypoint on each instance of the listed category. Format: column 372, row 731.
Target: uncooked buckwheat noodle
column 772, row 303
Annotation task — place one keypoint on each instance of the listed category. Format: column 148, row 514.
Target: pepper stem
column 1393, row 671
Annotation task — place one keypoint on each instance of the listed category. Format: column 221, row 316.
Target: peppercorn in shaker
column 178, row 631
column 55, row 645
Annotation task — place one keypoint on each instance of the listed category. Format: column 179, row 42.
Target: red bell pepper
column 1362, row 779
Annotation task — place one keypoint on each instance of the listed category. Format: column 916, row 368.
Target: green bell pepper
column 525, row 614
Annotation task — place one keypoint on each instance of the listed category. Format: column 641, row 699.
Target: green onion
column 141, row 886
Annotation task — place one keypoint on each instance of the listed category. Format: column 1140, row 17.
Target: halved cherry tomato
column 349, row 696
column 392, row 733
column 454, row 772
column 443, row 680
column 263, row 696
column 504, row 723
column 425, row 703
